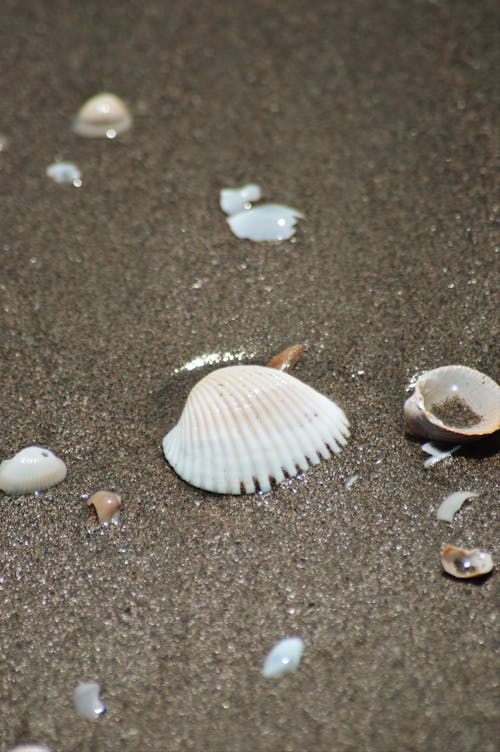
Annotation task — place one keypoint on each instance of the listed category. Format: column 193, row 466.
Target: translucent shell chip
column 245, row 427
column 30, row 470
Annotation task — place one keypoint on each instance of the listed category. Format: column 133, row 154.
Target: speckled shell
column 244, row 427
column 102, row 115
column 478, row 391
column 32, row 469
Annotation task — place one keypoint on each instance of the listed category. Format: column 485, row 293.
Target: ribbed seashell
column 453, row 403
column 32, row 469
column 464, row 563
column 103, row 115
column 244, row 427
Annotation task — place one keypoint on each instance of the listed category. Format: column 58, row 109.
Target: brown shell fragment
column 106, row 504
column 463, row 563
column 286, row 359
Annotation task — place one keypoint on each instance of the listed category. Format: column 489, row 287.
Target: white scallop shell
column 244, row 427
column 32, row 469
column 234, row 200
column 103, row 115
column 478, row 392
column 265, row 222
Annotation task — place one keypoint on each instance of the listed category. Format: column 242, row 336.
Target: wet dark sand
column 377, row 120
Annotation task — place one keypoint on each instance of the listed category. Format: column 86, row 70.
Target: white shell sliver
column 234, row 200
column 283, row 657
column 244, row 427
column 266, row 222
column 32, row 469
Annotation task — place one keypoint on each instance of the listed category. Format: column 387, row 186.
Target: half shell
column 464, row 563
column 102, row 116
column 453, row 403
column 32, row 469
column 244, row 427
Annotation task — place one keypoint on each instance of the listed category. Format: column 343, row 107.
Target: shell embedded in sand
column 464, row 563
column 102, row 116
column 265, row 222
column 245, row 427
column 107, row 505
column 453, row 403
column 30, row 470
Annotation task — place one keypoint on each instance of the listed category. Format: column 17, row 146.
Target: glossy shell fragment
column 235, row 200
column 455, row 404
column 452, row 503
column 265, row 222
column 102, row 116
column 87, row 701
column 463, row 563
column 107, row 505
column 283, row 657
column 65, row 172
column 31, row 470
column 245, row 427
column 286, row 359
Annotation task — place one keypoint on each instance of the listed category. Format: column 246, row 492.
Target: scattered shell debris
column 351, row 481
column 437, row 454
column 287, row 359
column 283, row 657
column 102, row 116
column 31, row 470
column 65, row 172
column 453, row 403
column 265, row 222
column 107, row 505
column 235, row 200
column 214, row 358
column 246, row 427
column 464, row 563
column 452, row 503
column 87, row 701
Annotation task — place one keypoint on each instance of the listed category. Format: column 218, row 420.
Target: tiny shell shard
column 102, row 116
column 235, row 200
column 452, row 503
column 463, row 563
column 286, row 360
column 283, row 657
column 106, row 504
column 31, row 470
column 88, row 703
column 65, row 172
column 266, row 222
column 245, row 427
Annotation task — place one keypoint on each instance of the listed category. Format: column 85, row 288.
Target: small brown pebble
column 286, row 359
column 106, row 504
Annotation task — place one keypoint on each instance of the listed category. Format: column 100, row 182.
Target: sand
column 378, row 122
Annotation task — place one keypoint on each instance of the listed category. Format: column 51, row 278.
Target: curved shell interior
column 244, row 427
column 32, row 469
column 464, row 563
column 102, row 115
column 478, row 392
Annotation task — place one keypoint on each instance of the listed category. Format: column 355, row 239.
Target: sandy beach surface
column 376, row 120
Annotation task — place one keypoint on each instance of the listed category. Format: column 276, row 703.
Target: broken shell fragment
column 106, row 504
column 102, row 116
column 283, row 657
column 453, row 403
column 31, row 470
column 87, row 701
column 235, row 200
column 452, row 503
column 285, row 360
column 464, row 563
column 245, row 427
column 265, row 222
column 65, row 172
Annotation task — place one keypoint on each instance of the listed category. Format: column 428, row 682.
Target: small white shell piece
column 65, row 172
column 453, row 403
column 88, row 703
column 284, row 656
column 31, row 470
column 102, row 116
column 265, row 222
column 452, row 503
column 235, row 200
column 437, row 454
column 244, row 427
column 464, row 563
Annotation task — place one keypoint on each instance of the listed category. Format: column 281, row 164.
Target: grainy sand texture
column 376, row 120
